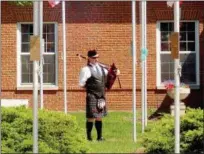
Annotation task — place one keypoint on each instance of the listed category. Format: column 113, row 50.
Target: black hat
column 92, row 53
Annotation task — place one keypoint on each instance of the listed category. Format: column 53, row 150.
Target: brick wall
column 105, row 26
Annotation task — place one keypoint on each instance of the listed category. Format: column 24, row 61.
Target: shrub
column 159, row 135
column 192, row 138
column 57, row 132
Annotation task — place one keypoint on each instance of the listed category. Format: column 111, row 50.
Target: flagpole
column 0, row 79
column 143, row 57
column 41, row 55
column 35, row 79
column 145, row 71
column 64, row 55
column 142, row 46
column 134, row 67
column 177, row 83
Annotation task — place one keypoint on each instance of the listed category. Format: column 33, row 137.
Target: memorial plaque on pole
column 34, row 48
column 174, row 38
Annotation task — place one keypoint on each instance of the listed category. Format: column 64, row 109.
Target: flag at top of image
column 171, row 3
column 53, row 3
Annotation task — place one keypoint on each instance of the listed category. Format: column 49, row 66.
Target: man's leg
column 98, row 125
column 89, row 126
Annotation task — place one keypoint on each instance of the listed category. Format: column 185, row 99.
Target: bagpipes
column 111, row 76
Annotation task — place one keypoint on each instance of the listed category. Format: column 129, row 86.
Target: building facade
column 106, row 27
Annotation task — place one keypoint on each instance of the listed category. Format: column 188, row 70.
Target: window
column 189, row 53
column 25, row 66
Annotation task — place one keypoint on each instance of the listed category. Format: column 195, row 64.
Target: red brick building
column 107, row 27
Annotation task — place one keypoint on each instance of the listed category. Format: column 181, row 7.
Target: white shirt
column 85, row 73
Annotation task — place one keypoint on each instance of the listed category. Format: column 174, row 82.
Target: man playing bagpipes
column 96, row 78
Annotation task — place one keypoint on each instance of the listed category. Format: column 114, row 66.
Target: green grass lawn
column 117, row 131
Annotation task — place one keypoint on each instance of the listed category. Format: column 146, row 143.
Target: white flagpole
column 177, row 84
column 143, row 47
column 35, row 79
column 0, row 78
column 134, row 66
column 41, row 55
column 145, row 71
column 64, row 55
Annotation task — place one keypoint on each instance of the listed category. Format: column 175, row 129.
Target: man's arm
column 84, row 75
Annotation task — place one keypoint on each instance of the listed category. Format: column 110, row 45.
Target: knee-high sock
column 98, row 125
column 89, row 126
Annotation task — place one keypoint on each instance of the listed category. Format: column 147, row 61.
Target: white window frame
column 158, row 50
column 18, row 45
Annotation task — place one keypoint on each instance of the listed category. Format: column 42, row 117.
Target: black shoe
column 89, row 139
column 100, row 139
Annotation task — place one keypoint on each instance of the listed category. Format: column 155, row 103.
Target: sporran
column 101, row 103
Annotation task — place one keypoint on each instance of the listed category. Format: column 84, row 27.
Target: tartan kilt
column 92, row 111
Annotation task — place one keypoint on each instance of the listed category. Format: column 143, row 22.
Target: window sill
column 50, row 87
column 196, row 87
